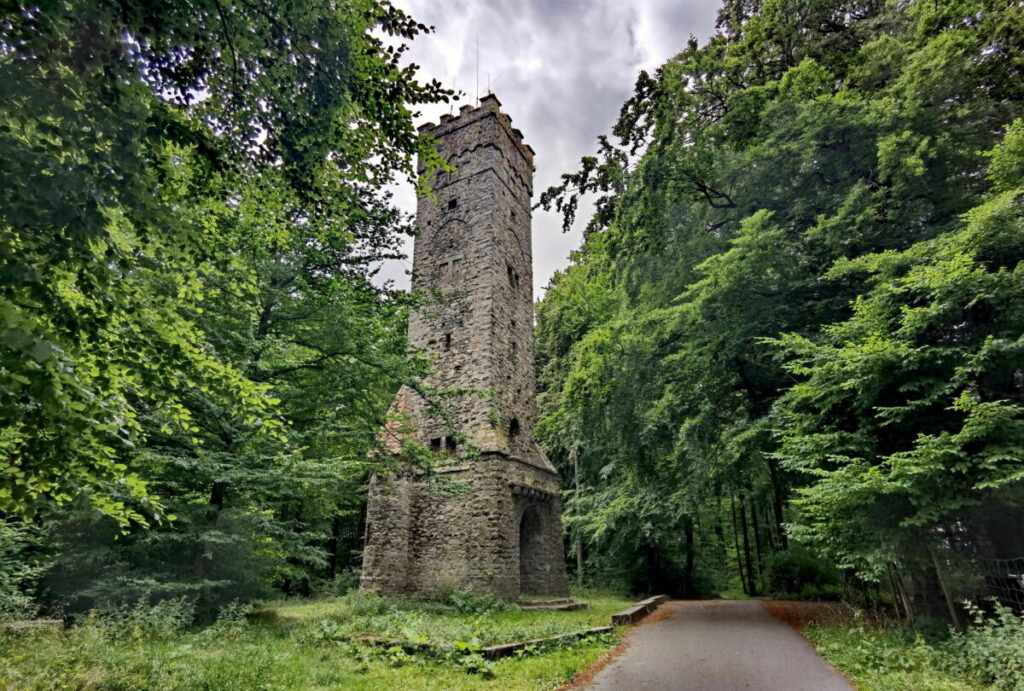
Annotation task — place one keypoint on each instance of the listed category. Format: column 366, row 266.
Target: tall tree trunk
column 736, row 537
column 907, row 605
column 758, row 550
column 746, row 548
column 689, row 590
column 769, row 531
column 777, row 499
column 947, row 593
column 579, row 538
column 894, row 594
column 218, row 493
column 333, row 546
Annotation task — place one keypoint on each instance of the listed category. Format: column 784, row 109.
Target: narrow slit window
column 513, row 428
column 452, row 203
column 447, row 341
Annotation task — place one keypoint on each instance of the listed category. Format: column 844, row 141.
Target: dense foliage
column 194, row 362
column 797, row 313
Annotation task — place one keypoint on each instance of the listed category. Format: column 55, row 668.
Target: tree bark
column 334, row 545
column 758, row 550
column 954, row 616
column 746, row 548
column 777, row 504
column 579, row 540
column 907, row 606
column 690, row 590
column 736, row 537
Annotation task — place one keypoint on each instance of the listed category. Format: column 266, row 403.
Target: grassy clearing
column 307, row 645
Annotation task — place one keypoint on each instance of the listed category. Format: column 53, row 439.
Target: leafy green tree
column 126, row 130
column 758, row 187
column 907, row 416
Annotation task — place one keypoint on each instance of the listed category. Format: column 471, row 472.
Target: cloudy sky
column 561, row 68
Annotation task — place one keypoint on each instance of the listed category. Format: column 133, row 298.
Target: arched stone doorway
column 531, row 552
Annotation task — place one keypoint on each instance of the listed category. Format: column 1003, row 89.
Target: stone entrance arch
column 532, row 557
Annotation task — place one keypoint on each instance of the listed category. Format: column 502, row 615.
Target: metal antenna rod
column 478, row 68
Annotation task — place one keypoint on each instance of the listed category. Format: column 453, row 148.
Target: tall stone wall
column 473, row 259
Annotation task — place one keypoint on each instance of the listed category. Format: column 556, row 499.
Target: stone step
column 564, row 605
column 543, row 600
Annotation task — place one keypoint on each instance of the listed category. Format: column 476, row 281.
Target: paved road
column 717, row 645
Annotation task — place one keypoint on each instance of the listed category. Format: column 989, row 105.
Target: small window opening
column 435, row 444
column 513, row 346
column 452, row 203
column 513, row 214
column 512, row 323
column 449, row 445
column 447, row 341
column 513, row 428
column 513, row 276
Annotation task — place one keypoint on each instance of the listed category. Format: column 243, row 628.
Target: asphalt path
column 717, row 645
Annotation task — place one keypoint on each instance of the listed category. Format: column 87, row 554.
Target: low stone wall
column 495, row 652
column 32, row 625
column 638, row 611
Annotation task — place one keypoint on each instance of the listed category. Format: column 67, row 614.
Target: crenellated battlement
column 489, row 107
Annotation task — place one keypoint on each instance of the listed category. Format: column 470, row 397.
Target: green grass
column 307, row 645
column 436, row 622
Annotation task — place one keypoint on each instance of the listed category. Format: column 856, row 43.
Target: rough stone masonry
column 503, row 535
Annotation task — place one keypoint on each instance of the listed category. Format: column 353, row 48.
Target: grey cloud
column 562, row 69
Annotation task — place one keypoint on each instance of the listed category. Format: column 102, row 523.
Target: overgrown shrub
column 343, row 583
column 21, row 565
column 991, row 650
column 989, row 654
column 162, row 619
column 466, row 602
column 797, row 571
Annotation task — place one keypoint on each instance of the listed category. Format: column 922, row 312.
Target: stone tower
column 504, row 534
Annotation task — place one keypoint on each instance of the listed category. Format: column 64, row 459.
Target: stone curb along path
column 626, row 616
column 638, row 611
